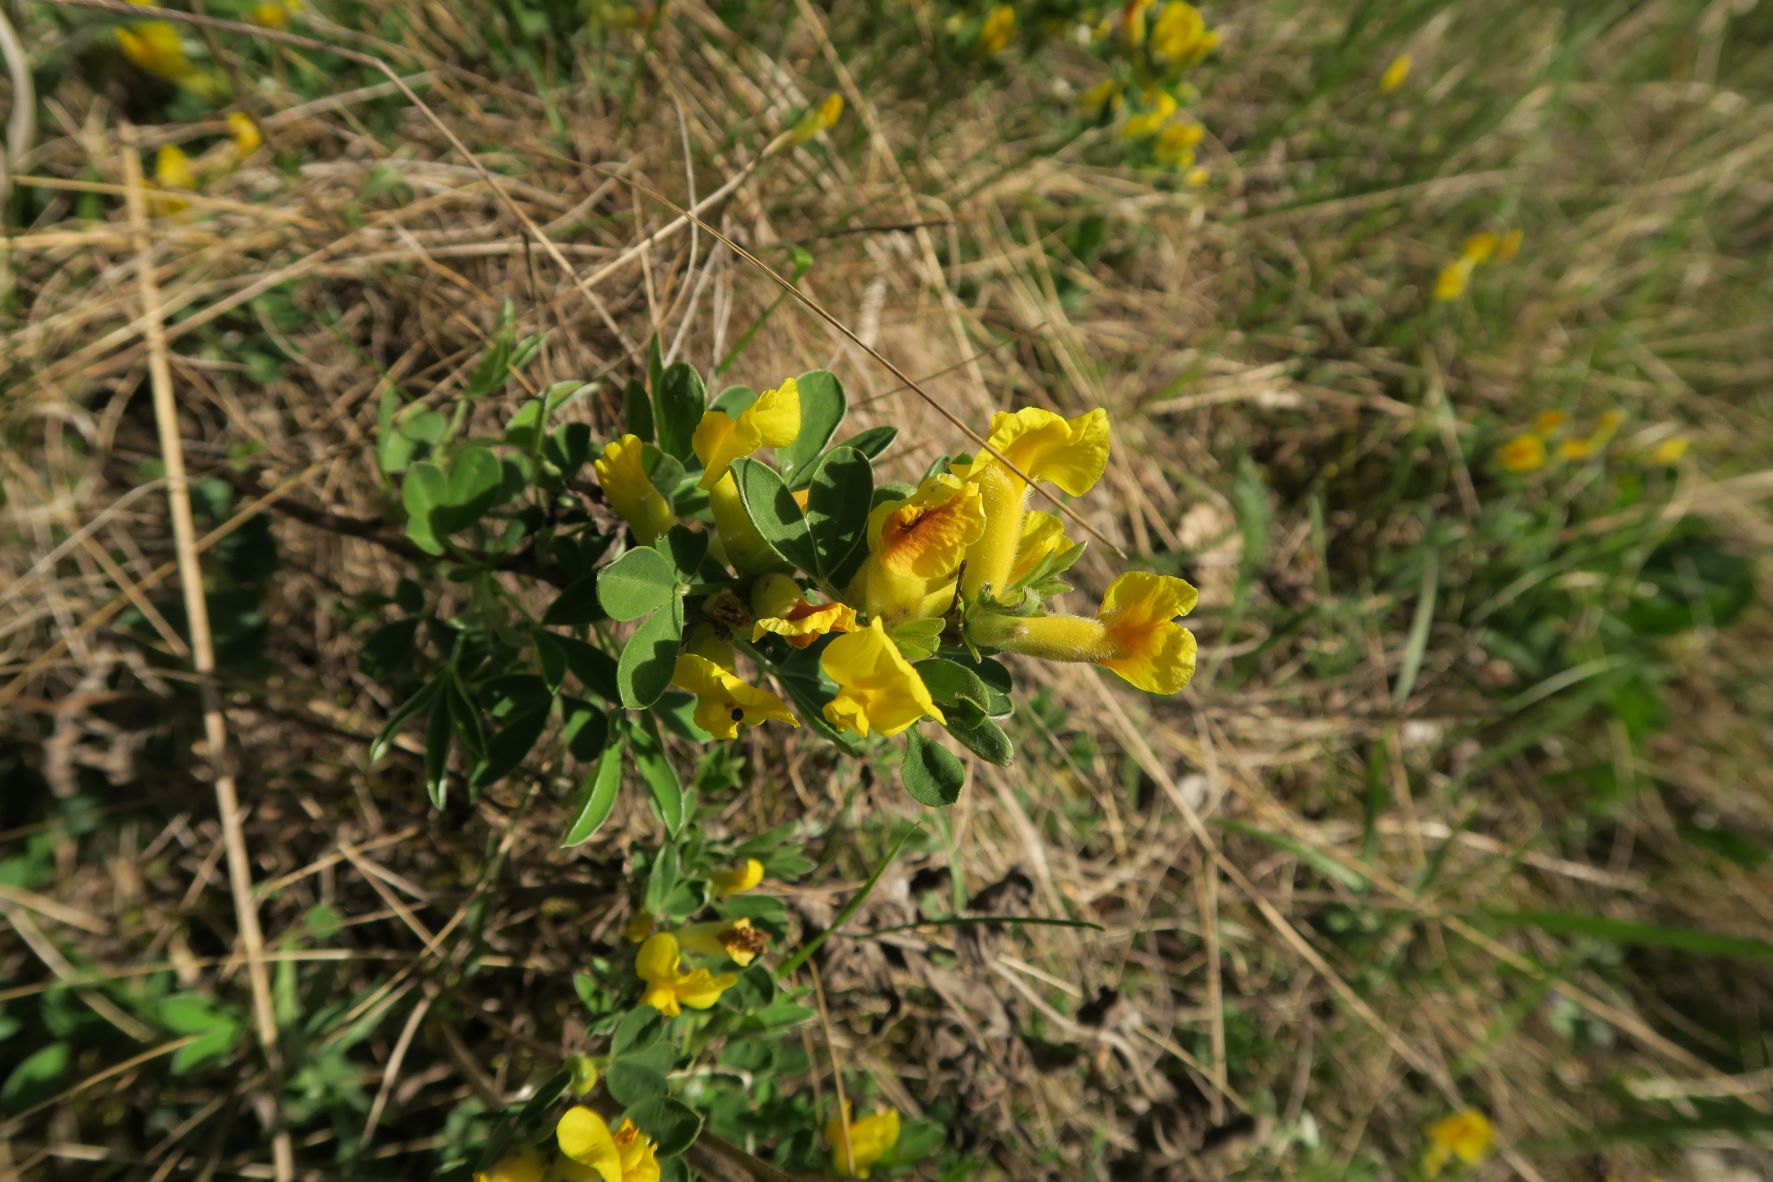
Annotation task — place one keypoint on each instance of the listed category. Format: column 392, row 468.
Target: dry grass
column 1296, row 1004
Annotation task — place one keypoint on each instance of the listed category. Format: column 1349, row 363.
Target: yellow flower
column 1608, row 424
column 927, row 533
column 1575, row 449
column 738, row 880
column 1396, row 74
column 1043, row 536
column 155, row 46
column 877, row 689
column 1549, row 422
column 724, row 700
column 821, row 118
column 275, row 15
column 1479, row 247
column 997, row 31
column 772, row 421
column 1196, row 178
column 525, row 1165
column 1161, row 104
column 246, row 135
column 1132, row 22
column 638, row 927
column 1509, row 246
column 803, row 623
column 735, row 938
column 1523, row 453
column 1105, row 95
column 1134, row 633
column 668, row 987
column 1454, row 278
column 1072, row 453
column 593, row 1152
column 172, row 170
column 1468, row 1136
column 1176, row 142
column 1179, row 36
column 1669, row 451
column 621, row 470
column 857, row 1144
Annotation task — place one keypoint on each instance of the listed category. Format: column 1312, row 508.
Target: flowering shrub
column 722, row 564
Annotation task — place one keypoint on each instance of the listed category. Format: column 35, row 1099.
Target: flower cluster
column 1466, row 1136
column 1151, row 48
column 1478, row 249
column 659, row 963
column 174, row 169
column 1551, row 439
column 875, row 607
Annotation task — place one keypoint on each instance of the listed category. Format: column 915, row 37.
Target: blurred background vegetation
column 1469, row 805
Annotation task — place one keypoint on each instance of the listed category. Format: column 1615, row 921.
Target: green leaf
column 424, row 488
column 576, row 605
column 637, row 412
column 822, row 407
column 189, row 1013
column 551, row 658
column 567, row 447
column 678, row 401
column 643, row 672
column 639, row 1028
column 476, row 479
column 733, row 401
column 932, row 774
column 218, row 1043
column 515, row 740
column 638, row 582
column 597, row 797
column 661, row 778
column 673, row 1124
column 774, row 513
column 438, row 733
column 631, row 1080
column 840, row 489
column 36, row 1075
column 950, row 682
column 873, row 441
column 655, row 362
column 1619, row 931
column 587, row 730
column 407, row 710
column 917, row 639
column 978, row 734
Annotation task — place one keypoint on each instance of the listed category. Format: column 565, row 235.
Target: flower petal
column 586, row 1139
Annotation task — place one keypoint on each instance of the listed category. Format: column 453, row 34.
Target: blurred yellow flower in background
column 856, row 1145
column 1523, row 453
column 1669, row 451
column 1468, row 1136
column 739, row 879
column 245, row 133
column 1454, row 278
column 1396, row 74
column 997, row 31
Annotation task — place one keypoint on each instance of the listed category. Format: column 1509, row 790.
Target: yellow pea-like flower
column 1549, row 422
column 856, row 1145
column 1396, row 74
column 1523, row 453
column 1043, row 536
column 724, row 700
column 526, row 1165
column 155, row 46
column 1162, row 106
column 1179, row 35
column 1176, row 143
column 877, row 689
column 1480, row 248
column 245, row 133
column 802, row 623
column 821, row 118
column 1670, row 451
column 997, row 30
column 1468, row 1136
column 592, row 1153
column 668, row 987
column 771, row 421
column 1576, row 449
column 1510, row 245
column 1134, row 633
column 621, row 470
column 927, row 533
column 735, row 939
column 1454, row 278
column 741, row 878
column 1196, row 178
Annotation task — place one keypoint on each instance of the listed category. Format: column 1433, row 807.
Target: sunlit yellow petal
column 1071, row 453
column 927, row 534
column 585, row 1138
column 525, row 1165
column 629, row 491
column 739, row 879
column 878, row 690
